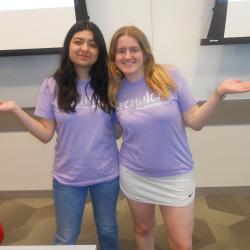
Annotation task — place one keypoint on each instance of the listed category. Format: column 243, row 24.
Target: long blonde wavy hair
column 156, row 76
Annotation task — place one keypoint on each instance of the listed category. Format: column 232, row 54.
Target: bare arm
column 197, row 117
column 43, row 129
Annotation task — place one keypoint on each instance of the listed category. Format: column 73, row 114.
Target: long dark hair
column 66, row 75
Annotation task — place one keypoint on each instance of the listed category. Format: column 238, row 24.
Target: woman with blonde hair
column 153, row 105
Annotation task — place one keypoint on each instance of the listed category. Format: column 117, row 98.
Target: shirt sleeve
column 44, row 102
column 186, row 100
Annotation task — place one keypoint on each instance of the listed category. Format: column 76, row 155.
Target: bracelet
column 219, row 96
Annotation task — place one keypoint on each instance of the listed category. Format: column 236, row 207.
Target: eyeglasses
column 132, row 51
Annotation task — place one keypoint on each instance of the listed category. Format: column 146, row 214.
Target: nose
column 84, row 47
column 127, row 53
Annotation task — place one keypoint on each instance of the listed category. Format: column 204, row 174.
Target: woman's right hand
column 7, row 106
column 41, row 128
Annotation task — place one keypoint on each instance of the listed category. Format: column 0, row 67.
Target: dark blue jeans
column 70, row 203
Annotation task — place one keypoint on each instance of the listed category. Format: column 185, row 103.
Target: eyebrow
column 130, row 47
column 83, row 39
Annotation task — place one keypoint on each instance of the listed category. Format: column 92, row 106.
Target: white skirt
column 174, row 191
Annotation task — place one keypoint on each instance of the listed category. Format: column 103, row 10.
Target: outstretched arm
column 43, row 129
column 196, row 117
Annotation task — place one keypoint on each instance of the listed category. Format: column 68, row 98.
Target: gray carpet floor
column 222, row 222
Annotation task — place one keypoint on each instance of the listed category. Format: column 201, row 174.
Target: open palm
column 233, row 86
column 7, row 105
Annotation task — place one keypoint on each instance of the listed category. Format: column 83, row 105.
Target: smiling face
column 129, row 58
column 83, row 50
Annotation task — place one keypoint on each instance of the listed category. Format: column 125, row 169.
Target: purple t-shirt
column 154, row 137
column 86, row 151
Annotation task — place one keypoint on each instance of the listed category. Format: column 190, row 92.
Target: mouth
column 84, row 54
column 84, row 57
column 128, row 63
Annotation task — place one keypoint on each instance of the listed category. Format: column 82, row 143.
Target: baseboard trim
column 26, row 194
column 243, row 190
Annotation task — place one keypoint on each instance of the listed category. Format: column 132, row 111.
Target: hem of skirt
column 156, row 203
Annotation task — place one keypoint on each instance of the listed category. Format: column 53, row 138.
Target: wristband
column 219, row 96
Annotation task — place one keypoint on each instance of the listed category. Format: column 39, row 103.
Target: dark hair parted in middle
column 66, row 75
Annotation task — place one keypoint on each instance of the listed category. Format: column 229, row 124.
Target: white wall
column 174, row 29
column 178, row 27
column 25, row 163
column 221, row 155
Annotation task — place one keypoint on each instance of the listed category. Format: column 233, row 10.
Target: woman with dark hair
column 153, row 104
column 74, row 103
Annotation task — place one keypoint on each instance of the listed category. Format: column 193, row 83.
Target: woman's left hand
column 230, row 86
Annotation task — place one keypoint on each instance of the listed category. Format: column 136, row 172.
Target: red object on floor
column 1, row 233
